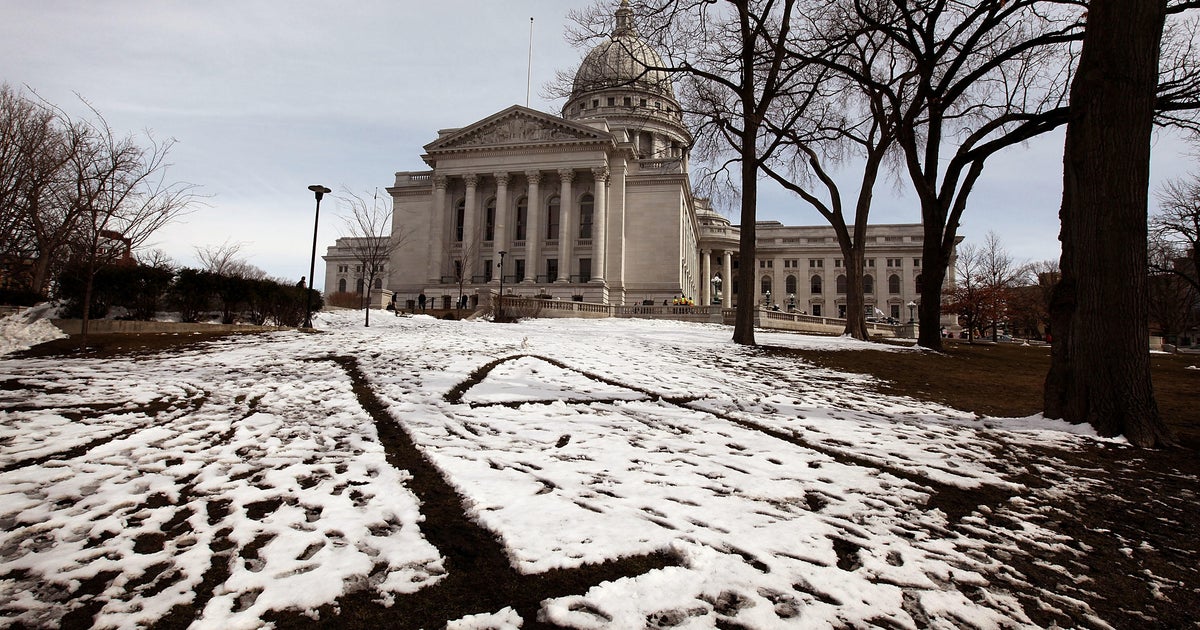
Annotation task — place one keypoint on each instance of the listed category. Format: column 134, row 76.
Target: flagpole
column 529, row 71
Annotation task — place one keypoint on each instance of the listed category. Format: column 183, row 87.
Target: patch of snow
column 28, row 328
column 790, row 495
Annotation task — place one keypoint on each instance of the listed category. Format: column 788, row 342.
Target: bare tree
column 223, row 260
column 961, row 81
column 822, row 122
column 1173, row 292
column 966, row 297
column 1176, row 227
column 730, row 56
column 1100, row 368
column 26, row 133
column 999, row 274
column 372, row 239
column 121, row 197
column 459, row 258
column 157, row 259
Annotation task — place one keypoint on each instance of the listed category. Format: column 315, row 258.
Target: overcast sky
column 268, row 97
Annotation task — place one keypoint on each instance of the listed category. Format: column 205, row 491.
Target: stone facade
column 344, row 270
column 596, row 205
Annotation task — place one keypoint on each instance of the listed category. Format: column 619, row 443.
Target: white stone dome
column 622, row 62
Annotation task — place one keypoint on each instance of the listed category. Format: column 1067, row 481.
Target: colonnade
column 534, row 248
column 726, row 277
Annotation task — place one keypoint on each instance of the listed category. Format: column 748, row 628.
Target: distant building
column 597, row 205
column 344, row 271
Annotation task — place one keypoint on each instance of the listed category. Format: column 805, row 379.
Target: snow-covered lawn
column 244, row 476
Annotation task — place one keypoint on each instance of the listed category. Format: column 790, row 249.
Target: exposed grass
column 1005, row 379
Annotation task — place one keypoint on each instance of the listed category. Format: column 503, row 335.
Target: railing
column 404, row 178
column 670, row 165
column 764, row 318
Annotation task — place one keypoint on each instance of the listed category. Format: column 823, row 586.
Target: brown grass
column 1005, row 379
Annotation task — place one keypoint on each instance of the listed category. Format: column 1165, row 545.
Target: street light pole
column 911, row 307
column 500, row 300
column 320, row 191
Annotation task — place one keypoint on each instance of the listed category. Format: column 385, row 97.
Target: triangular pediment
column 514, row 127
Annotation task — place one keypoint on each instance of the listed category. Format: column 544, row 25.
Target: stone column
column 706, row 281
column 727, row 280
column 500, row 244
column 470, row 242
column 599, row 224
column 437, row 232
column 566, row 210
column 533, row 227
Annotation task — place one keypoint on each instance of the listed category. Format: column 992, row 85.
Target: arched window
column 766, row 285
column 342, row 285
column 489, row 220
column 918, row 284
column 586, row 207
column 378, row 283
column 522, row 218
column 841, row 284
column 894, row 284
column 552, row 214
column 868, row 284
column 789, row 285
column 814, row 285
column 460, row 218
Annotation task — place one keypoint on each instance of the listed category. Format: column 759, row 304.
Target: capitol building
column 596, row 205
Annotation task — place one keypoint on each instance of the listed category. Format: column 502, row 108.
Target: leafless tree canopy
column 372, row 237
column 1175, row 228
column 76, row 189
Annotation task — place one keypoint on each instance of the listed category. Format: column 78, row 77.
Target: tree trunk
column 856, row 317
column 933, row 276
column 743, row 327
column 1100, row 364
column 367, row 307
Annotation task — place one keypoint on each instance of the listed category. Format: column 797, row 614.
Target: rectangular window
column 518, row 270
column 916, row 262
column 552, row 216
column 893, row 262
column 895, row 311
column 612, row 101
column 489, row 222
column 837, row 262
column 870, row 262
column 585, row 269
column 816, row 310
column 842, row 311
column 551, row 269
column 816, row 263
column 522, row 217
column 487, row 270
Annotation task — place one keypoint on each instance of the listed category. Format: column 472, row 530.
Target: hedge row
column 145, row 291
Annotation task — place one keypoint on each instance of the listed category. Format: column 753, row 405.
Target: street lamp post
column 320, row 191
column 767, row 295
column 500, row 300
column 911, row 307
column 716, row 283
column 792, row 302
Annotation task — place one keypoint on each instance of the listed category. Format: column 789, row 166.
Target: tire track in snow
column 480, row 578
